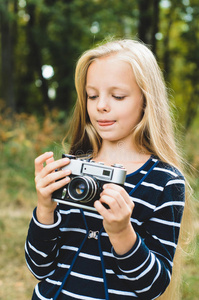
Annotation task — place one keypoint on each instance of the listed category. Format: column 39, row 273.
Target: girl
column 125, row 251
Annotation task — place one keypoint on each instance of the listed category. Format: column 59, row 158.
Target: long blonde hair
column 154, row 134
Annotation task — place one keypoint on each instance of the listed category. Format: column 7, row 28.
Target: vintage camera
column 87, row 180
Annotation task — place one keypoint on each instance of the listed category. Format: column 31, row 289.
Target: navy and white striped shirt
column 98, row 273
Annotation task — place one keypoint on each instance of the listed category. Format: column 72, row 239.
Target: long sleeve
column 148, row 266
column 41, row 247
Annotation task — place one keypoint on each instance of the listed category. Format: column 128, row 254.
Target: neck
column 119, row 152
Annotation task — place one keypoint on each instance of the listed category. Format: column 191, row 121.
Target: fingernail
column 50, row 153
column 66, row 171
column 66, row 159
column 67, row 179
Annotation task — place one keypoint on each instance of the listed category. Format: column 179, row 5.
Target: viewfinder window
column 106, row 173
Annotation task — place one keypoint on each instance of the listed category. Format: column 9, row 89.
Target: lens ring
column 92, row 189
column 82, row 189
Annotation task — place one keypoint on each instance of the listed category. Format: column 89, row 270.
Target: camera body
column 87, row 180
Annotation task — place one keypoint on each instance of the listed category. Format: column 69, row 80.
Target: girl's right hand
column 47, row 181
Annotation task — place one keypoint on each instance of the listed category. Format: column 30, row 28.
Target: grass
column 21, row 140
column 191, row 264
column 16, row 282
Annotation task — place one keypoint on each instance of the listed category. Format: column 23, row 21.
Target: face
column 114, row 100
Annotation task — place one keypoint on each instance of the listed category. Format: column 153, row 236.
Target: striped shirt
column 73, row 258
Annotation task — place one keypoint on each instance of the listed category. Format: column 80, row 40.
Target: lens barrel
column 82, row 189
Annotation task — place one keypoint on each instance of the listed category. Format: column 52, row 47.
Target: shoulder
column 157, row 186
column 157, row 171
column 155, row 177
column 165, row 173
column 172, row 182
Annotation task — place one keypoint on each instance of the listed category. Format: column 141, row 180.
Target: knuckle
column 111, row 219
column 36, row 161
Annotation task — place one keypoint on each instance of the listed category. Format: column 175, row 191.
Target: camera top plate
column 113, row 174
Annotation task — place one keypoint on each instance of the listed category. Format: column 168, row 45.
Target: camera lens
column 82, row 189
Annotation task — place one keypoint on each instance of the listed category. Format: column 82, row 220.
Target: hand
column 47, row 181
column 117, row 218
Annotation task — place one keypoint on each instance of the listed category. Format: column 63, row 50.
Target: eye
column 118, row 97
column 92, row 97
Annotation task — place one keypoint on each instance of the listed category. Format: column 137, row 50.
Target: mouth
column 106, row 122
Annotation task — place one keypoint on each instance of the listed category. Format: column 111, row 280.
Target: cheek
column 89, row 109
column 138, row 114
column 131, row 117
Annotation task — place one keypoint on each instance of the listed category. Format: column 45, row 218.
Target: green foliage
column 178, row 56
column 56, row 33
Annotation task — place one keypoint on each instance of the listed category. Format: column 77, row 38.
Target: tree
column 8, row 27
column 35, row 43
column 191, row 39
column 35, row 33
column 180, row 57
column 148, row 25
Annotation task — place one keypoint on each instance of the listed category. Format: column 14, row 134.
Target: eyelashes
column 92, row 97
column 114, row 96
column 118, row 97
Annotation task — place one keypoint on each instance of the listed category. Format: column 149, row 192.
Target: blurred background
column 41, row 41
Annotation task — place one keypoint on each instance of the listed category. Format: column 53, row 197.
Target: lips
column 105, row 122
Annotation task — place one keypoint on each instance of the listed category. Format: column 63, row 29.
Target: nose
column 103, row 104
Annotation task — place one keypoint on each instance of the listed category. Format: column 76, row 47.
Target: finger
column 54, row 165
column 40, row 160
column 113, row 188
column 101, row 209
column 121, row 197
column 112, row 198
column 48, row 161
column 51, row 178
column 57, row 185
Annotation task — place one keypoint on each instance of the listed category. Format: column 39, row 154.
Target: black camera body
column 87, row 180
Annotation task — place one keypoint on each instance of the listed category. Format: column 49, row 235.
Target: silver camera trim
column 80, row 167
column 78, row 205
column 87, row 179
column 98, row 170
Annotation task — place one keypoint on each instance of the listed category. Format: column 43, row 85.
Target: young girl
column 125, row 251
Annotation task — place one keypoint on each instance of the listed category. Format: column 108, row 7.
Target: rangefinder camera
column 87, row 180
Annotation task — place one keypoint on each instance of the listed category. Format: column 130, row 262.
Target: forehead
column 113, row 60
column 111, row 68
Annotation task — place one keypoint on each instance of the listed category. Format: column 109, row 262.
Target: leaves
column 56, row 33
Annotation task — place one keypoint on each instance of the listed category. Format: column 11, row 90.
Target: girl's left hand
column 117, row 217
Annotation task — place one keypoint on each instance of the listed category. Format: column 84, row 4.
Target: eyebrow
column 110, row 88
column 90, row 87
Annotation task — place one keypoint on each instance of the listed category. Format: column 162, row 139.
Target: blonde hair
column 154, row 134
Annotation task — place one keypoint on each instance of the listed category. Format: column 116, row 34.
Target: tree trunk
column 7, row 57
column 145, row 21
column 166, row 56
column 35, row 57
column 148, row 22
column 155, row 29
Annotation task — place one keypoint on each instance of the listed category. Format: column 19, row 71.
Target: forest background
column 41, row 41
